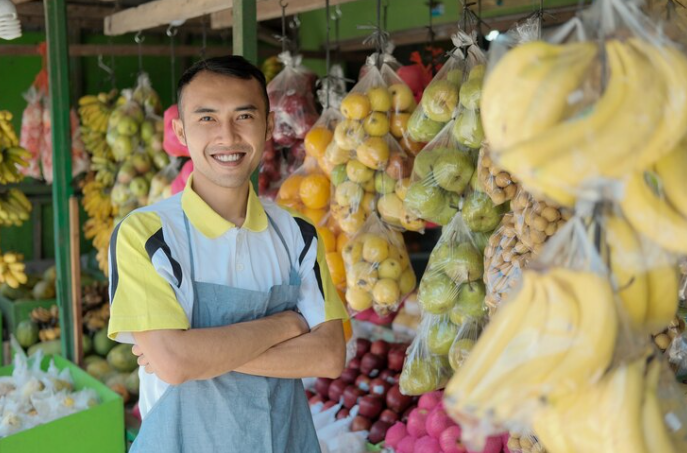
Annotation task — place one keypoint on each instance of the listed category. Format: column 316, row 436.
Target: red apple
column 343, row 413
column 329, row 404
column 372, row 364
column 336, row 389
column 322, row 386
column 363, row 383
column 379, row 386
column 397, row 401
column 361, row 347
column 349, row 375
column 379, row 347
column 396, row 358
column 309, row 394
column 354, row 364
column 360, row 423
column 315, row 399
column 378, row 431
column 371, row 406
column 351, row 396
column 388, row 376
column 389, row 416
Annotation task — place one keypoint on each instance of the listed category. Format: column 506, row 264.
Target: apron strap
column 190, row 248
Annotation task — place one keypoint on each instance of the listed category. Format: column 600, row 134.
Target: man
column 227, row 300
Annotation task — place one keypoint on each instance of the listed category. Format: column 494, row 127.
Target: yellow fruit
column 355, row 106
column 369, row 186
column 358, row 299
column 290, row 188
column 341, row 242
column 314, row 215
column 315, row 191
column 328, row 239
column 374, row 153
column 358, row 172
column 334, row 155
column 390, row 268
column 401, row 97
column 380, row 99
column 336, row 268
column 399, row 124
column 362, row 275
column 377, row 124
column 408, row 281
column 386, row 292
column 349, row 134
column 348, row 193
column 353, row 221
column 352, row 253
column 369, row 202
column 317, row 140
column 375, row 249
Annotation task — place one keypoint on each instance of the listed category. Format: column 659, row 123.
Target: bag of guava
column 441, row 174
column 292, row 101
column 145, row 96
column 32, row 131
column 457, row 83
column 424, row 370
column 378, row 269
column 124, row 127
column 161, row 184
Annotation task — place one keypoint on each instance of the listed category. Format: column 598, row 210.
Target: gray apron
column 235, row 412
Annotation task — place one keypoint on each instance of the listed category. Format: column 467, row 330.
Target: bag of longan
column 378, row 269
column 536, row 220
column 500, row 185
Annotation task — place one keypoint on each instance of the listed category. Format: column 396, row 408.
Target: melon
column 27, row 333
column 122, row 359
column 102, row 344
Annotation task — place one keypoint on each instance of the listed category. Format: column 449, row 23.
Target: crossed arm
column 279, row 346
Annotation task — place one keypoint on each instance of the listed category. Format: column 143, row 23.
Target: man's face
column 224, row 124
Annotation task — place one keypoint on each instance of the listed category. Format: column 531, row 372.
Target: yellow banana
column 654, row 429
column 652, row 216
column 628, row 269
column 671, row 170
column 664, row 284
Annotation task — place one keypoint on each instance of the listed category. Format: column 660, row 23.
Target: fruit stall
column 496, row 186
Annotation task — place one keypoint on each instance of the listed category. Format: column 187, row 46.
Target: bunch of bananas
column 105, row 169
column 664, row 339
column 48, row 321
column 655, row 203
column 271, row 67
column 97, row 319
column 545, row 128
column 96, row 201
column 15, row 208
column 12, row 156
column 95, row 110
column 12, row 269
column 622, row 412
column 100, row 231
column 524, row 444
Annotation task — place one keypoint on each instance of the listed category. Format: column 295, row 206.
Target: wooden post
column 58, row 71
column 75, row 255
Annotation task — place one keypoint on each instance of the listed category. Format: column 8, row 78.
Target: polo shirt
column 150, row 281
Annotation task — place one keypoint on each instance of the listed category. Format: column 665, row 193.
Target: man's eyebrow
column 244, row 108
column 205, row 110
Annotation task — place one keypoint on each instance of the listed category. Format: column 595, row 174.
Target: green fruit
column 480, row 213
column 50, row 274
column 471, row 93
column 422, row 375
column 461, row 262
column 14, row 293
column 91, row 359
column 87, row 344
column 44, row 290
column 99, row 369
column 459, row 351
column 102, row 344
column 423, row 164
column 439, row 100
column 453, row 171
column 421, row 128
column 122, row 359
column 437, row 293
column 147, row 131
column 53, row 347
column 441, row 336
column 139, row 186
column 425, row 200
column 468, row 130
column 26, row 333
column 132, row 383
column 471, row 300
column 338, row 174
column 384, row 184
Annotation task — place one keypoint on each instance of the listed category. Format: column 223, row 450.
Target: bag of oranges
column 306, row 191
column 319, row 141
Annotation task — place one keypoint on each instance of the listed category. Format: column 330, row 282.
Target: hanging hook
column 172, row 31
column 139, row 39
column 103, row 66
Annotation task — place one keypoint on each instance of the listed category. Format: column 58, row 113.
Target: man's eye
column 206, row 118
column 245, row 116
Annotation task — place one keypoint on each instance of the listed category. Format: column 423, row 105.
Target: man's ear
column 270, row 126
column 178, row 127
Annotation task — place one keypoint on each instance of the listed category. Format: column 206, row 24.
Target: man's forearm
column 177, row 356
column 320, row 353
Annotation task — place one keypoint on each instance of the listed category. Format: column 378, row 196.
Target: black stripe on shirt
column 113, row 258
column 309, row 233
column 157, row 242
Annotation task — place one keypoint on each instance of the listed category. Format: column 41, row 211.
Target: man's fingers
column 136, row 349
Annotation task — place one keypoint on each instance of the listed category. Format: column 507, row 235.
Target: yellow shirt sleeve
column 141, row 298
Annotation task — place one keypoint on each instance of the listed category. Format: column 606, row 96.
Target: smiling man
column 227, row 300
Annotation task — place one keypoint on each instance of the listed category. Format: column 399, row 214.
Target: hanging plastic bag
column 424, row 371
column 536, row 220
column 124, row 127
column 292, row 101
column 547, row 129
column 500, row 185
column 145, row 96
column 32, row 131
column 161, row 184
column 307, row 191
column 80, row 161
column 319, row 141
column 441, row 174
column 378, row 270
column 468, row 334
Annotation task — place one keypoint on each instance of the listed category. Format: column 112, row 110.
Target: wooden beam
column 19, row 2
column 74, row 11
column 160, row 12
column 270, row 9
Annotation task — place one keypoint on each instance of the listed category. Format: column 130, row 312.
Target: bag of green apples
column 378, row 269
column 441, row 174
column 427, row 366
column 459, row 77
column 504, row 259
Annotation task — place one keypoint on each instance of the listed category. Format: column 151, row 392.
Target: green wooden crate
column 16, row 311
column 98, row 429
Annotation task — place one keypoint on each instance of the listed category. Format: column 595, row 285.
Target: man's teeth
column 228, row 157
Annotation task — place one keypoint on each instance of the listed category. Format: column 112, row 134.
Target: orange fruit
column 314, row 215
column 290, row 188
column 336, row 268
column 317, row 140
column 315, row 191
column 290, row 203
column 341, row 241
column 328, row 239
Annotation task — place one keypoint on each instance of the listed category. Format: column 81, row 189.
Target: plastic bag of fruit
column 161, row 184
column 307, row 191
column 505, row 257
column 124, row 127
column 549, row 134
column 423, row 370
column 145, row 96
column 152, row 137
column 500, row 185
column 536, row 220
column 480, row 213
column 440, row 99
column 469, row 331
column 32, row 131
column 452, row 283
column 319, row 141
column 80, row 160
column 132, row 186
column 441, row 174
column 292, row 101
column 378, row 269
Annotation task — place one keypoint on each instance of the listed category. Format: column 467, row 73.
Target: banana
column 652, row 216
column 670, row 170
column 654, row 428
column 663, row 300
column 627, row 268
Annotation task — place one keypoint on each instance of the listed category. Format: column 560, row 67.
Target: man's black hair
column 231, row 66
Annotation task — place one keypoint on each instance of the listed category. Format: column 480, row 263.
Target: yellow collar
column 213, row 225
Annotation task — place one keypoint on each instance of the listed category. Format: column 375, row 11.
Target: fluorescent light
column 492, row 35
column 10, row 28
